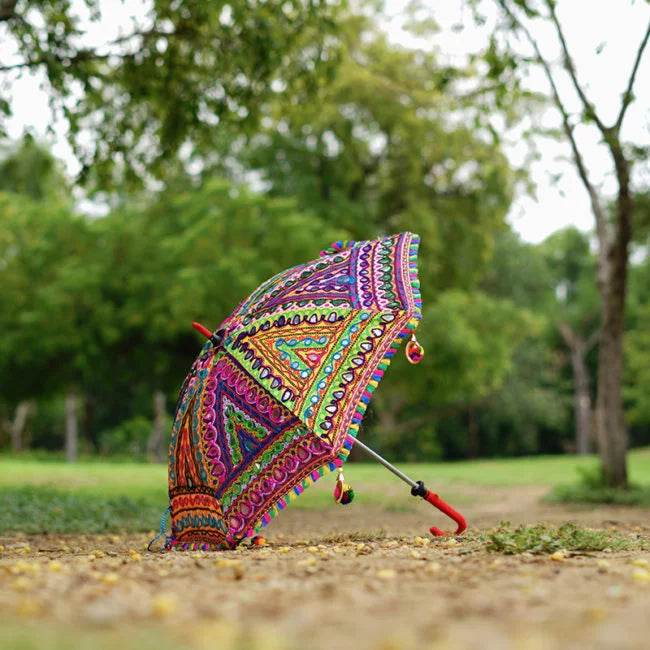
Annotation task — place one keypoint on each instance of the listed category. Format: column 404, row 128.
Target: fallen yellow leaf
column 28, row 607
column 110, row 578
column 163, row 605
column 641, row 575
column 227, row 562
column 432, row 567
column 21, row 584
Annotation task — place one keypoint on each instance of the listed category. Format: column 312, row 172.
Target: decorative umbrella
column 277, row 394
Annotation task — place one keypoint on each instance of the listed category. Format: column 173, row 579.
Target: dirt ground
column 363, row 578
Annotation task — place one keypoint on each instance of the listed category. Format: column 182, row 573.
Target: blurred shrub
column 129, row 438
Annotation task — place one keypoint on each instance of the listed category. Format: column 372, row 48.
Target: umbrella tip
column 202, row 330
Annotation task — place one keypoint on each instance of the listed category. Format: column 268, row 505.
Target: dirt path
column 330, row 580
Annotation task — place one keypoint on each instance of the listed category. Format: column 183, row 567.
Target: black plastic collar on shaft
column 418, row 490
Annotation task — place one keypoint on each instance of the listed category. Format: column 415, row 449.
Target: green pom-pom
column 348, row 496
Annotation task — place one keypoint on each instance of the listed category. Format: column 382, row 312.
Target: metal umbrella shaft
column 385, row 463
column 419, row 490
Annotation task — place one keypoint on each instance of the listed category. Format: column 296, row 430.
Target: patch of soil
column 360, row 577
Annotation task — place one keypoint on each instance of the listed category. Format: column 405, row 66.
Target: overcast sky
column 588, row 25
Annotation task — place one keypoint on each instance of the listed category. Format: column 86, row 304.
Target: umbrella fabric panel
column 235, row 451
column 315, row 335
column 377, row 275
column 318, row 362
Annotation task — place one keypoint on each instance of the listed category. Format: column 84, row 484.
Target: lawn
column 39, row 496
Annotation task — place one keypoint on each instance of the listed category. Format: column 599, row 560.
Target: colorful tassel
column 414, row 351
column 343, row 493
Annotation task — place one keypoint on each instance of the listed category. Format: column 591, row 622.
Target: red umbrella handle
column 420, row 491
column 436, row 501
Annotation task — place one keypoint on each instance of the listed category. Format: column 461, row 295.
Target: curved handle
column 436, row 501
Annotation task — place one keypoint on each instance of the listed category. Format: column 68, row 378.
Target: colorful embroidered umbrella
column 276, row 397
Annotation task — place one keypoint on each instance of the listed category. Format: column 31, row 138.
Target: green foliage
column 530, row 412
column 471, row 338
column 636, row 389
column 36, row 511
column 129, row 438
column 173, row 75
column 572, row 270
column 579, row 493
column 542, row 539
column 30, row 169
column 592, row 488
column 48, row 276
column 376, row 153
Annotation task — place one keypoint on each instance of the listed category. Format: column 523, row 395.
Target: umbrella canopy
column 275, row 398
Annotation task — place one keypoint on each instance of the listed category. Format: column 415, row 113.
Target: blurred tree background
column 226, row 144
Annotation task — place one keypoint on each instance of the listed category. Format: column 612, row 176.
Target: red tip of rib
column 202, row 330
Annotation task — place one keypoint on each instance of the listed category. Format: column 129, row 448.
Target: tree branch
column 82, row 55
column 627, row 95
column 567, row 334
column 92, row 54
column 601, row 222
column 592, row 339
column 7, row 9
column 590, row 110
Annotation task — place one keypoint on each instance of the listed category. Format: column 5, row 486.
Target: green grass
column 635, row 495
column 38, row 495
column 542, row 539
column 39, row 635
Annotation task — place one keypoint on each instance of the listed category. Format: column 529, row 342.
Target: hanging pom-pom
column 414, row 351
column 258, row 540
column 343, row 493
column 347, row 496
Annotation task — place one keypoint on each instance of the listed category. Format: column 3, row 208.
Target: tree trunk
column 17, row 426
column 612, row 281
column 473, row 437
column 610, row 425
column 155, row 445
column 71, row 427
column 88, row 422
column 582, row 403
column 612, row 433
column 582, row 400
